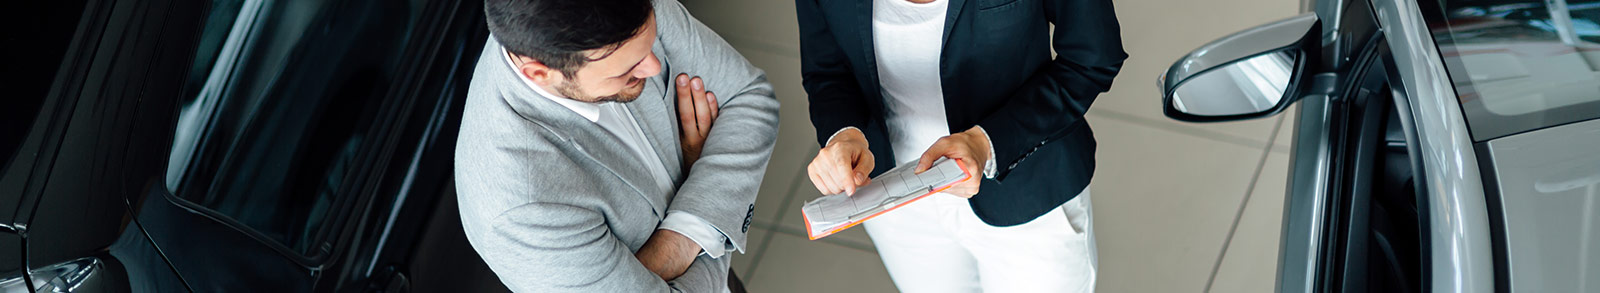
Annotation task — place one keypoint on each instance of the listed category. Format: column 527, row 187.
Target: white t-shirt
column 907, row 39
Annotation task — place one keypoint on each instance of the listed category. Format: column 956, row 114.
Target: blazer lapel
column 863, row 13
column 607, row 149
column 657, row 116
column 950, row 17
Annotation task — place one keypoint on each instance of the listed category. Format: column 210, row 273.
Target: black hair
column 557, row 32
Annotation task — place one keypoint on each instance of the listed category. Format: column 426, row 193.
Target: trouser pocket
column 1077, row 212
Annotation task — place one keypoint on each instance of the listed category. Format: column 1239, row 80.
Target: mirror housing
column 1258, row 52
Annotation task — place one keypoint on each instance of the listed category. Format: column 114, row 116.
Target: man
column 573, row 174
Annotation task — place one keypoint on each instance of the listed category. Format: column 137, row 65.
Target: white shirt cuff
column 836, row 134
column 712, row 241
column 988, row 166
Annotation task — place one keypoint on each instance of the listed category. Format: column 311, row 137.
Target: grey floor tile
column 755, row 244
column 793, row 223
column 1251, row 263
column 1163, row 201
column 1285, row 138
column 796, row 138
column 775, row 194
column 769, row 23
column 1156, row 33
column 794, row 264
column 1248, row 133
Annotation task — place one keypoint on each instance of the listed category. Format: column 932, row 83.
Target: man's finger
column 702, row 114
column 710, row 114
column 685, row 106
column 715, row 107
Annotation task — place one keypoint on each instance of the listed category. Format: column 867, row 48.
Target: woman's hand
column 843, row 164
column 970, row 148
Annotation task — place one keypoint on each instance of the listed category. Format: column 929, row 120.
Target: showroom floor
column 1179, row 207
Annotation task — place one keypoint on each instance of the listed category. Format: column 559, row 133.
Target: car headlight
column 62, row 277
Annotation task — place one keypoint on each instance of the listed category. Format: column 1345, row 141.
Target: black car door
column 290, row 111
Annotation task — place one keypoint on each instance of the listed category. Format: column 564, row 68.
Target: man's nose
column 650, row 67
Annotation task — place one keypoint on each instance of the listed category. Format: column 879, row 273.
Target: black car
column 235, row 145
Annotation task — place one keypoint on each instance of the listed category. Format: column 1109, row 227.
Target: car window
column 28, row 81
column 280, row 108
column 1520, row 65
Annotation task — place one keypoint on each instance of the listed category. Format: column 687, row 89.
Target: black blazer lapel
column 950, row 17
column 863, row 13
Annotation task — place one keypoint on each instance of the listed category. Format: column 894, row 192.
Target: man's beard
column 571, row 91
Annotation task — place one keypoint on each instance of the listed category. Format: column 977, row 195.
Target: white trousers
column 938, row 245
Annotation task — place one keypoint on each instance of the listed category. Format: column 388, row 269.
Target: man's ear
column 540, row 74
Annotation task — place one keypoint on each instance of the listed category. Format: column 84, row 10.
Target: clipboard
column 893, row 189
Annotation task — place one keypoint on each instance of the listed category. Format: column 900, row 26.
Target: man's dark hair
column 557, row 32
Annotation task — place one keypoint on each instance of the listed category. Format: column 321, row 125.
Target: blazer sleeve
column 1088, row 46
column 831, row 87
column 721, row 187
column 552, row 247
column 531, row 232
column 551, row 244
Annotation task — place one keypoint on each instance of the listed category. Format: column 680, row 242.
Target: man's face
column 618, row 77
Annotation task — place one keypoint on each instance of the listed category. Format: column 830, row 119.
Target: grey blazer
column 554, row 203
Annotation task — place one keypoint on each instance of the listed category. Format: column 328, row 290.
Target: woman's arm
column 1089, row 53
column 835, row 95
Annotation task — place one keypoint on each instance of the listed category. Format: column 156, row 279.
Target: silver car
column 1441, row 145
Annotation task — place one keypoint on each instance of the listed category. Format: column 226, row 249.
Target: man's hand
column 668, row 254
column 697, row 108
column 970, row 148
column 843, row 164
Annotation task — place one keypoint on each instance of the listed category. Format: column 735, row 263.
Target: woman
column 915, row 80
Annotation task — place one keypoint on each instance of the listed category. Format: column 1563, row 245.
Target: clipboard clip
column 891, row 201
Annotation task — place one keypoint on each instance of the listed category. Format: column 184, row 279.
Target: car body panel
column 1548, row 182
column 1304, row 209
column 1462, row 258
column 1509, row 210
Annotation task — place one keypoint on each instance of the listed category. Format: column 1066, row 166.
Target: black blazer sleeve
column 1088, row 45
column 831, row 87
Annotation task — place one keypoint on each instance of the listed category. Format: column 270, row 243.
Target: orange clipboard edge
column 967, row 176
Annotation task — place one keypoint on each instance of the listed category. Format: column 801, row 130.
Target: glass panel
column 281, row 102
column 28, row 76
column 1245, row 87
column 1520, row 65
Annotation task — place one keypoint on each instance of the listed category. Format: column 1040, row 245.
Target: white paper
column 890, row 189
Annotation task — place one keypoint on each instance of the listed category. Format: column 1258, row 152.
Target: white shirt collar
column 589, row 111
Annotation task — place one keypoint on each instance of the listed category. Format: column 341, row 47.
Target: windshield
column 1519, row 65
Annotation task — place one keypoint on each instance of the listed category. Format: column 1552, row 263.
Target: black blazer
column 997, row 72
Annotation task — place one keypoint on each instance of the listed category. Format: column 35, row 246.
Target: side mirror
column 1253, row 73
